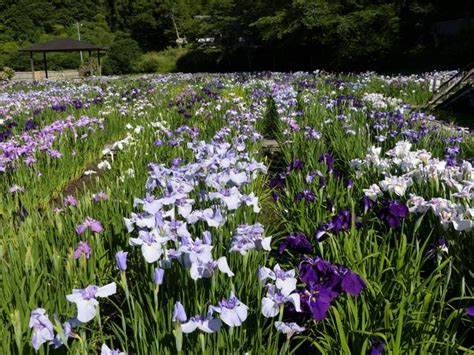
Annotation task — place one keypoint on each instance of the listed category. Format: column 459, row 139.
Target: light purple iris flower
column 151, row 246
column 42, row 327
column 289, row 328
column 207, row 324
column 70, row 201
column 86, row 302
column 179, row 314
column 232, row 311
column 248, row 237
column 16, row 188
column 82, row 248
column 285, row 281
column 95, row 226
column 213, row 217
column 230, row 197
column 201, row 270
column 252, row 201
column 158, row 276
column 60, row 339
column 121, row 259
column 274, row 299
column 207, row 237
column 100, row 196
column 105, row 350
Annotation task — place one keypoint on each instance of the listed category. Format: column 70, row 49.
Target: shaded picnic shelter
column 61, row 45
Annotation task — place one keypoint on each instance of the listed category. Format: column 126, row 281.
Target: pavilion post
column 90, row 63
column 98, row 63
column 32, row 66
column 45, row 65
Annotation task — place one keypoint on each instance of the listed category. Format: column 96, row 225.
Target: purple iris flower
column 451, row 160
column 307, row 194
column 275, row 196
column 77, row 104
column 316, row 301
column 310, row 177
column 324, row 283
column 341, row 222
column 177, row 161
column 95, row 226
column 393, row 212
column 82, row 248
column 351, row 283
column 328, row 159
column 296, row 241
column 330, row 205
column 437, row 248
column 278, row 181
column 121, row 259
column 316, row 270
column 366, row 204
column 322, row 182
column 470, row 311
column 453, row 150
column 30, row 124
column 42, row 327
column 22, row 212
column 376, row 347
column 296, row 164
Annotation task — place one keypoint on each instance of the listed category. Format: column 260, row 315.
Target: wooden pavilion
column 61, row 45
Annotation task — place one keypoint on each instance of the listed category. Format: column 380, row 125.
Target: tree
column 123, row 53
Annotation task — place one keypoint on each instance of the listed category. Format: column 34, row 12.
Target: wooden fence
column 39, row 75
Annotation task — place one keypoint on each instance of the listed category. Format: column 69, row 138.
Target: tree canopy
column 248, row 34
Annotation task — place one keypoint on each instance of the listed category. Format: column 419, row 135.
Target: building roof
column 62, row 45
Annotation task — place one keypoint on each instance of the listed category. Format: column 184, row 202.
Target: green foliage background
column 249, row 35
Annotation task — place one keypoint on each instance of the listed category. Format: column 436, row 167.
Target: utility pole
column 79, row 38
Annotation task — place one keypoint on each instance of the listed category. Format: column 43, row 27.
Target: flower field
column 264, row 213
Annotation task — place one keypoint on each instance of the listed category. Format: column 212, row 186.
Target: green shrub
column 160, row 62
column 199, row 60
column 122, row 55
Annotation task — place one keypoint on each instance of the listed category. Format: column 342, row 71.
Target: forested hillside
column 247, row 34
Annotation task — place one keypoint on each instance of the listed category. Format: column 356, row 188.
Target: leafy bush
column 205, row 60
column 160, row 62
column 123, row 53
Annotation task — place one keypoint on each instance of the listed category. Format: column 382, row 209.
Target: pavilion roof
column 62, row 45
